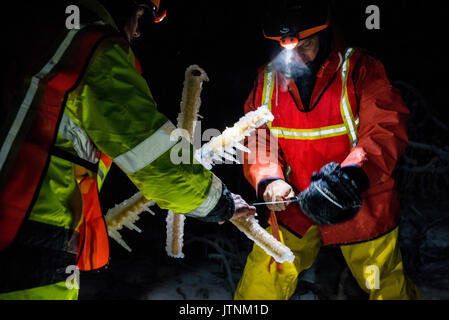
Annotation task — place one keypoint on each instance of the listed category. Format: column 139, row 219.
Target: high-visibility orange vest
column 27, row 151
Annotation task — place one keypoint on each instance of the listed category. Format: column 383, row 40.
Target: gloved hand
column 334, row 194
column 277, row 190
column 242, row 208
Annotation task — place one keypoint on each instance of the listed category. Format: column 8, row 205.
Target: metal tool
column 289, row 200
column 326, row 195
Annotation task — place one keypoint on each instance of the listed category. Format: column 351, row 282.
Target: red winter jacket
column 357, row 118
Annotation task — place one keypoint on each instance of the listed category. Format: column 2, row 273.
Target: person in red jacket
column 339, row 128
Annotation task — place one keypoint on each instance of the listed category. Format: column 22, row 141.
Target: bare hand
column 242, row 208
column 278, row 190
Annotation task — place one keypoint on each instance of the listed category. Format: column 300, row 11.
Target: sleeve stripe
column 211, row 200
column 81, row 143
column 30, row 94
column 148, row 150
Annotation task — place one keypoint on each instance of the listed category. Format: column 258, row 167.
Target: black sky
column 225, row 39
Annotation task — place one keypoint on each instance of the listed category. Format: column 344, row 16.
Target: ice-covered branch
column 191, row 98
column 251, row 228
column 126, row 214
column 175, row 234
column 187, row 118
column 223, row 145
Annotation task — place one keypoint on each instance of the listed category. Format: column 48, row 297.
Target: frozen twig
column 223, row 145
column 175, row 234
column 187, row 118
column 126, row 214
column 251, row 228
column 191, row 99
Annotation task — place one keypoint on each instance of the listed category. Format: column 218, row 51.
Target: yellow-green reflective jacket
column 109, row 109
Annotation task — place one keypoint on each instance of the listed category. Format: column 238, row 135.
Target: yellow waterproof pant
column 56, row 291
column 376, row 265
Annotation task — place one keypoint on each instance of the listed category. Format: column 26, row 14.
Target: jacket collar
column 325, row 75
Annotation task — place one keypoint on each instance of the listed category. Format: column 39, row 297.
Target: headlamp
column 289, row 42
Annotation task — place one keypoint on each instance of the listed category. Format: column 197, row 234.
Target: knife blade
column 289, row 200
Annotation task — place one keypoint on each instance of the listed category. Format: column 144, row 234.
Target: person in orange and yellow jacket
column 75, row 102
column 339, row 128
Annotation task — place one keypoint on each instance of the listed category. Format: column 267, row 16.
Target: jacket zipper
column 306, row 108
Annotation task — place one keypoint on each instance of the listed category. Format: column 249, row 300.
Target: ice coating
column 191, row 98
column 175, row 234
column 187, row 118
column 251, row 228
column 126, row 214
column 223, row 145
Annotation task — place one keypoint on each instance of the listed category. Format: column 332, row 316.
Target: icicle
column 251, row 228
column 131, row 226
column 114, row 234
column 175, row 234
column 126, row 214
column 230, row 150
column 150, row 211
column 187, row 118
column 229, row 157
column 242, row 147
column 231, row 137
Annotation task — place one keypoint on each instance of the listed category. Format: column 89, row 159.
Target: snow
column 148, row 273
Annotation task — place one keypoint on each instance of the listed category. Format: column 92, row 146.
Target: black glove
column 334, row 194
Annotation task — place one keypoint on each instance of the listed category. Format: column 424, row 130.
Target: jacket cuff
column 213, row 197
column 358, row 175
column 223, row 210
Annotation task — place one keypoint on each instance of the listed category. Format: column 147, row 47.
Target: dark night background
column 225, row 39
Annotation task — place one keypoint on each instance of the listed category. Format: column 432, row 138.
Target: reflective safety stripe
column 211, row 200
column 346, row 110
column 312, row 134
column 31, row 92
column 349, row 127
column 81, row 142
column 268, row 88
column 103, row 168
column 148, row 150
column 100, row 172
